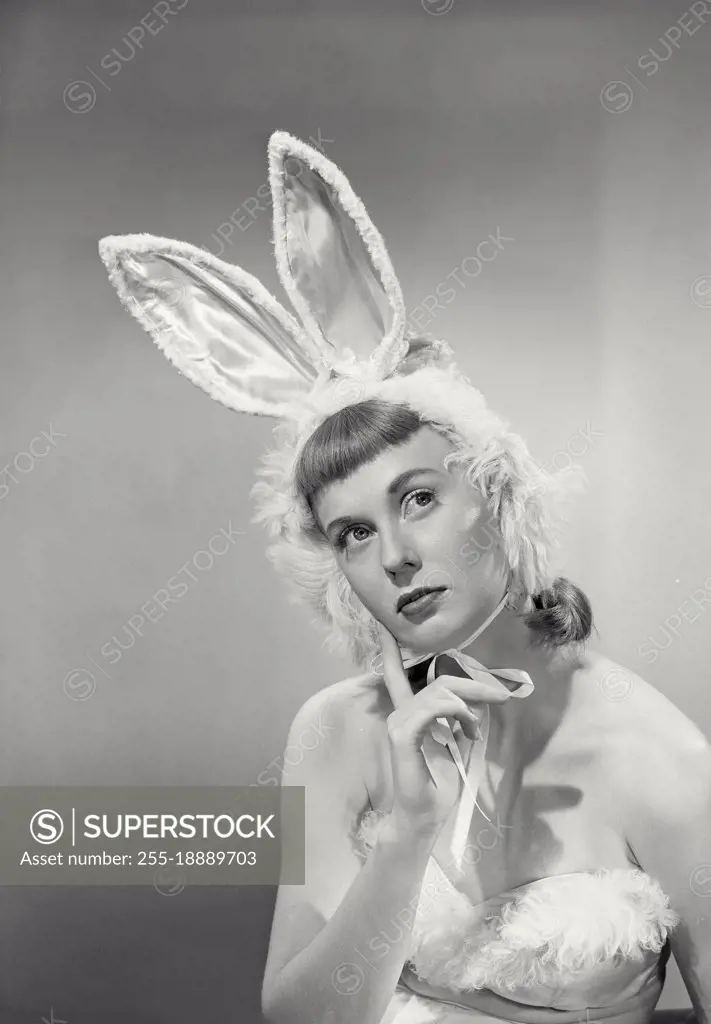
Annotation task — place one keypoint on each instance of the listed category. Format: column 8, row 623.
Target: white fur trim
column 553, row 931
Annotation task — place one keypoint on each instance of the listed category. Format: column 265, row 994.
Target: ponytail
column 561, row 615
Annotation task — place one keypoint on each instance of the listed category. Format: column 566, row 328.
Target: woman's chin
column 423, row 637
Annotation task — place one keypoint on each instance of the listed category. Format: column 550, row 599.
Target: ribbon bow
column 442, row 731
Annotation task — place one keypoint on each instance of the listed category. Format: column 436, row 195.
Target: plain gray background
column 596, row 315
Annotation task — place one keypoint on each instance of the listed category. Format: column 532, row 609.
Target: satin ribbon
column 472, row 773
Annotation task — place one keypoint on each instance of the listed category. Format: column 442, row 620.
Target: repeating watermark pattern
column 348, row 387
column 80, row 683
column 25, row 461
column 700, row 880
column 314, row 734
column 649, row 649
column 171, row 295
column 578, row 444
column 617, row 684
column 277, row 771
column 376, row 664
column 348, row 979
column 169, row 880
column 616, row 97
column 80, row 95
column 445, row 293
column 246, row 213
column 700, row 291
column 437, row 6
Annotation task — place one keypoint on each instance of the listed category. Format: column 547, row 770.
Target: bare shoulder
column 633, row 709
column 345, row 708
column 650, row 746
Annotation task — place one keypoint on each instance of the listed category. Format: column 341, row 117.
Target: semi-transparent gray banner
column 164, row 836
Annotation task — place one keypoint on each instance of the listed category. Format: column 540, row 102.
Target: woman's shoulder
column 640, row 728
column 656, row 774
column 627, row 700
column 345, row 707
column 337, row 727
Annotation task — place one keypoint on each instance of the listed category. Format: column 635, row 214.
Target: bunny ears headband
column 223, row 329
column 229, row 335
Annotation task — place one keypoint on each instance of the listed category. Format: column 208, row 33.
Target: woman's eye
column 355, row 535
column 416, row 496
column 351, row 531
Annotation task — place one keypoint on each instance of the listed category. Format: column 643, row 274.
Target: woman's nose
column 397, row 553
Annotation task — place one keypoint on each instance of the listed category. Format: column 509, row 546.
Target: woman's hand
column 426, row 790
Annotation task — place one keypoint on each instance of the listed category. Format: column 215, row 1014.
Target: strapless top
column 567, row 942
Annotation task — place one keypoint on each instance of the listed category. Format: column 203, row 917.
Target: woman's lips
column 422, row 606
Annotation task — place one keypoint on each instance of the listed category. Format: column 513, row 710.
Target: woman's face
column 403, row 522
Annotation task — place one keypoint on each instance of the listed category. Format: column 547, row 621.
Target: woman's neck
column 507, row 643
column 504, row 643
column 519, row 730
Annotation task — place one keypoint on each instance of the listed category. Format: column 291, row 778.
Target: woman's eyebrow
column 402, row 478
column 399, row 481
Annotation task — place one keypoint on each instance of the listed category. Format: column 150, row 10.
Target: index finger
column 394, row 672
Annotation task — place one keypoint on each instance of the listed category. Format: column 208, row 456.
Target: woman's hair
column 357, row 434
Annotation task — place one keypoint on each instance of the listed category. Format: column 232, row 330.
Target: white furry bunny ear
column 216, row 323
column 331, row 259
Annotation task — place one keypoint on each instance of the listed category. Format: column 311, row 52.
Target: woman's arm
column 329, row 959
column 665, row 780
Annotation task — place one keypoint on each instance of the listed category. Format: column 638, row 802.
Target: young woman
column 471, row 856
